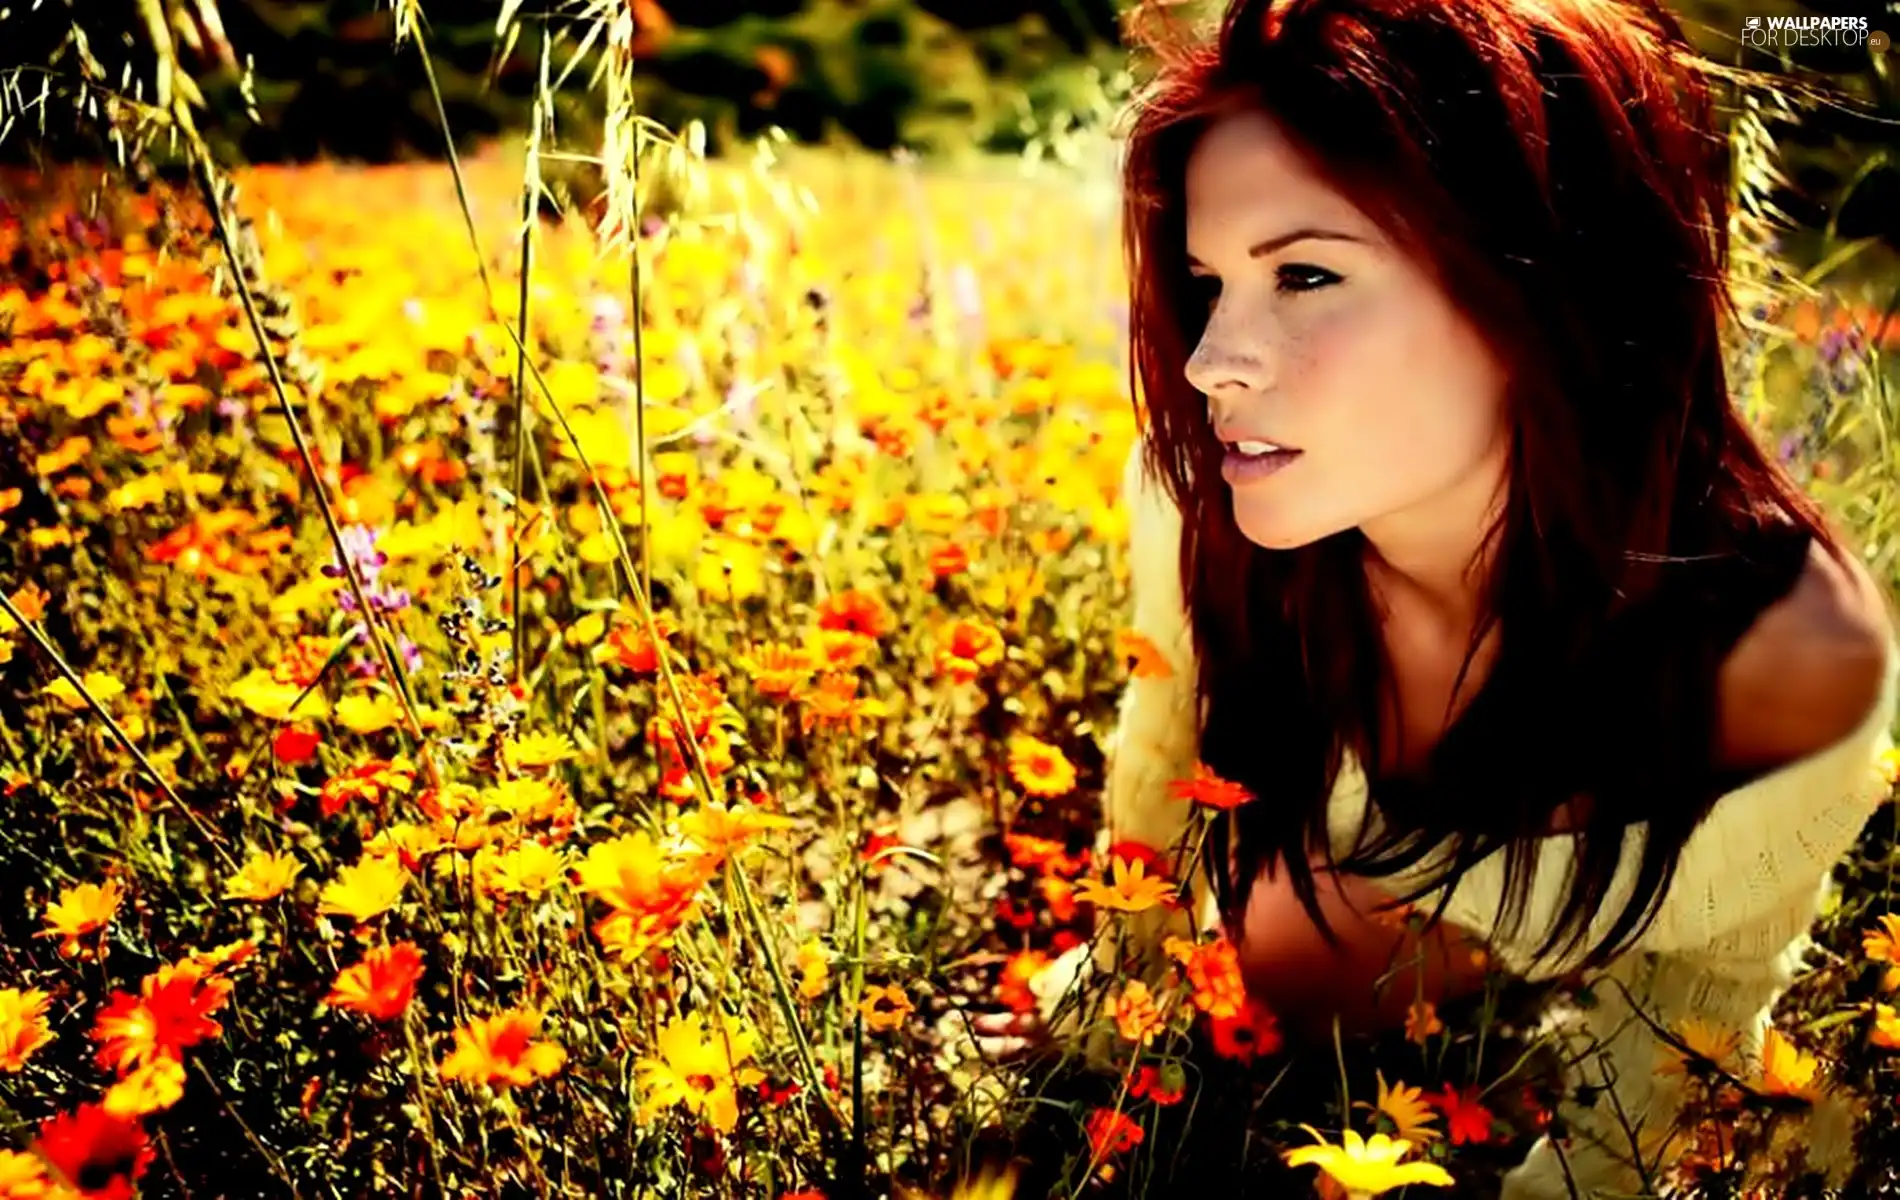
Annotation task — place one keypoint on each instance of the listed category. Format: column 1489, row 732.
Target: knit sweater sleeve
column 1763, row 849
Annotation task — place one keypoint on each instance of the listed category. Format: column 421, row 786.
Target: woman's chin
column 1277, row 533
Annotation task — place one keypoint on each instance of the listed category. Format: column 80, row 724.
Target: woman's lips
column 1238, row 468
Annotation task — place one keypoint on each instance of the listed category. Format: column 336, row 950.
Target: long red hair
column 1555, row 164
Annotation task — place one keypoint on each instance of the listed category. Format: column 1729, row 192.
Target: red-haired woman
column 1466, row 564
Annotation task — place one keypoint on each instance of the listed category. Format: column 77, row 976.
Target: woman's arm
column 1306, row 983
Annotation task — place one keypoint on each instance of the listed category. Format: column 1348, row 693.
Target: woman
column 1465, row 563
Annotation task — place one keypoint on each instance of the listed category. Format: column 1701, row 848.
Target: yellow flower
column 814, row 970
column 528, row 869
column 1786, row 1069
column 1408, row 1109
column 148, row 1089
column 366, row 889
column 536, row 750
column 1367, row 1166
column 885, row 1007
column 82, row 909
column 1130, row 888
column 103, row 687
column 1039, row 768
column 368, row 712
column 23, row 1177
column 263, row 694
column 265, row 875
column 1711, row 1042
column 23, row 1027
column 699, row 1071
column 585, row 631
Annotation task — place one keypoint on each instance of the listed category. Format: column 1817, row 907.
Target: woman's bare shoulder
column 1810, row 669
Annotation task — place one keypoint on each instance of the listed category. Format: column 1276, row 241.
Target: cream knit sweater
column 1728, row 938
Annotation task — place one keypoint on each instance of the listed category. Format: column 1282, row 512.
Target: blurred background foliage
column 300, row 79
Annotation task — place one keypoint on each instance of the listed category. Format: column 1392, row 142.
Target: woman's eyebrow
column 1262, row 249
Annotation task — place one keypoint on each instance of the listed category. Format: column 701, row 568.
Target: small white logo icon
column 1753, row 23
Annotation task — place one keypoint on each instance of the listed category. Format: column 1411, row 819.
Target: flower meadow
column 623, row 769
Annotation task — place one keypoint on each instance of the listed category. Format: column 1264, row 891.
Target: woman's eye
column 1206, row 290
column 1298, row 277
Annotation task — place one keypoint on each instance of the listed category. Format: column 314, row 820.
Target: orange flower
column 778, row 672
column 373, row 781
column 629, row 646
column 1885, row 1032
column 1059, row 895
column 23, row 1027
column 835, row 701
column 966, row 649
column 1014, row 989
column 500, row 1051
column 1209, row 789
column 885, row 1007
column 841, row 649
column 381, row 985
column 1786, row 1069
column 1421, row 1021
column 1136, row 1014
column 1408, row 1110
column 1213, row 971
column 1129, row 888
column 1040, row 768
column 857, row 612
column 103, row 1152
column 1882, row 945
column 171, row 1013
column 1144, row 658
column 722, row 832
column 80, row 910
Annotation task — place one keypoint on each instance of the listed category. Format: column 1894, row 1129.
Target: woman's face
column 1324, row 340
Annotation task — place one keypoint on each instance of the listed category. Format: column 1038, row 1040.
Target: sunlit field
column 634, row 792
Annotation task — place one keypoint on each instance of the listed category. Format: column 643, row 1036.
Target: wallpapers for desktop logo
column 1776, row 33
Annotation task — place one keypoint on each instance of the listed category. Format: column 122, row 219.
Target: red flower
column 102, row 1154
column 1148, row 1082
column 1111, row 1132
column 1209, row 789
column 1012, row 914
column 1466, row 1120
column 1250, row 1032
column 294, row 746
column 775, row 1094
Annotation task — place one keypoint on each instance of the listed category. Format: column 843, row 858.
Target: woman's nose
column 1218, row 366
